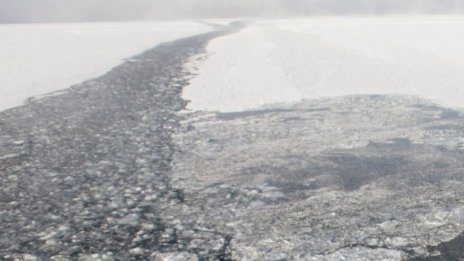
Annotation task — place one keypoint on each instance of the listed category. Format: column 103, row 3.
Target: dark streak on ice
column 86, row 171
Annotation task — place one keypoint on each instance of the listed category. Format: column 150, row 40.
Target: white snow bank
column 37, row 59
column 288, row 60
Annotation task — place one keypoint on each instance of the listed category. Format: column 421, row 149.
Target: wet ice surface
column 112, row 170
column 351, row 178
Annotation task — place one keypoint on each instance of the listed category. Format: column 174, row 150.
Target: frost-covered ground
column 37, row 59
column 288, row 60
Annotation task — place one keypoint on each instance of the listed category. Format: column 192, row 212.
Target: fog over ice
column 13, row 11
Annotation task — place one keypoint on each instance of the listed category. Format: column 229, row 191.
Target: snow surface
column 289, row 60
column 36, row 59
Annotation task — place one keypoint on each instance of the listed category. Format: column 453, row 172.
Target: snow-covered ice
column 36, row 59
column 289, row 60
column 236, row 61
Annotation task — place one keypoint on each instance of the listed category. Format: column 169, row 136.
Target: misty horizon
column 27, row 11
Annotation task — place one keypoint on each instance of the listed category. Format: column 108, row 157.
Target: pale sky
column 116, row 10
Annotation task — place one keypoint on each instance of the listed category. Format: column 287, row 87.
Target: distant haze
column 17, row 11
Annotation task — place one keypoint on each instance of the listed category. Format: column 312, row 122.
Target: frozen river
column 115, row 169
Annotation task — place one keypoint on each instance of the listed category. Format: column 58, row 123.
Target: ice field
column 289, row 60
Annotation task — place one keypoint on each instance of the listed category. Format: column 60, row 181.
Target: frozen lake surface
column 289, row 60
column 37, row 59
